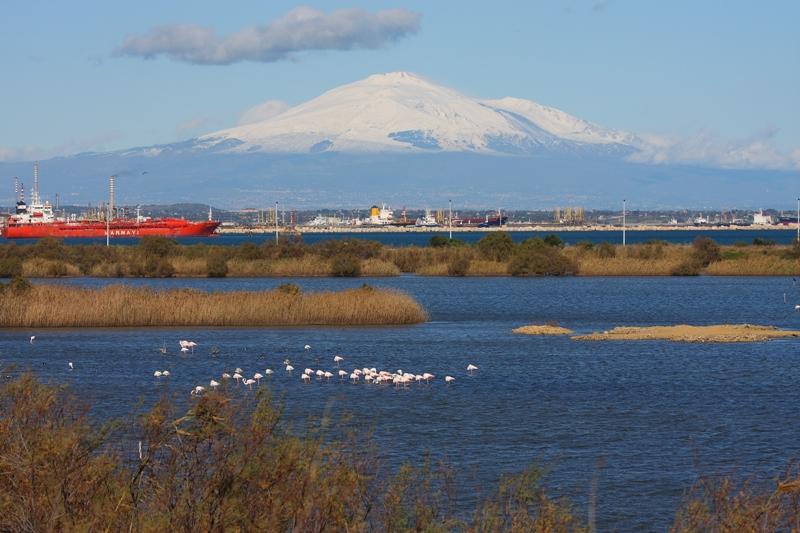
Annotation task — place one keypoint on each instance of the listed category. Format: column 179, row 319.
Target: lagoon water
column 412, row 238
column 643, row 418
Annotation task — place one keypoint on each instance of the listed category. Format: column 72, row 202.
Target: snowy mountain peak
column 402, row 111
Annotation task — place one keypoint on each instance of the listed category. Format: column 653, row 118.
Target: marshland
column 495, row 254
column 627, row 432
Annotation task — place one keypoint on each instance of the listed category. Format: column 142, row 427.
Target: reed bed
column 626, row 266
column 189, row 268
column 487, row 268
column 755, row 265
column 49, row 306
column 48, row 268
column 379, row 268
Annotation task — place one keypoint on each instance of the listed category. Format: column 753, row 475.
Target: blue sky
column 721, row 70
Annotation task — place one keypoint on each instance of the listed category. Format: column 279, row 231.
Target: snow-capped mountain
column 401, row 111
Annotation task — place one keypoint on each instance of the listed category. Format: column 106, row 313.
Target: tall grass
column 228, row 465
column 45, row 306
column 755, row 265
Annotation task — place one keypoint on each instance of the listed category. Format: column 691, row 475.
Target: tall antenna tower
column 35, row 192
column 111, row 195
column 17, row 189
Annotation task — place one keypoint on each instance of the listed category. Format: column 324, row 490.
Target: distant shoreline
column 245, row 230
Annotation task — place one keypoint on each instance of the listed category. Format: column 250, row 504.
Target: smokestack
column 35, row 192
column 111, row 182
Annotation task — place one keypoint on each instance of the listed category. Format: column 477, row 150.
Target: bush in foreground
column 226, row 465
column 535, row 258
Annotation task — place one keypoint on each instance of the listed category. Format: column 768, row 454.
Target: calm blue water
column 656, row 414
column 422, row 239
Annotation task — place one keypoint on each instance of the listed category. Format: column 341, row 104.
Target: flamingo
column 268, row 371
column 307, row 347
column 213, row 384
column 239, row 370
column 225, row 375
column 289, row 368
column 308, row 371
column 237, row 376
column 354, row 377
column 449, row 379
column 257, row 377
column 249, row 382
column 328, row 375
column 70, row 365
column 198, row 390
column 471, row 368
column 306, row 378
column 342, row 374
column 165, row 373
column 427, row 377
column 338, row 359
column 33, row 338
column 368, row 378
column 157, row 373
column 184, row 349
column 796, row 308
column 320, row 373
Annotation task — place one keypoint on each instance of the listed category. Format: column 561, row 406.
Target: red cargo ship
column 37, row 220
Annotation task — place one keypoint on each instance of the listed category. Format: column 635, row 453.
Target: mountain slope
column 401, row 111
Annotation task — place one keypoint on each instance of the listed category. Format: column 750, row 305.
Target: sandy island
column 542, row 330
column 685, row 333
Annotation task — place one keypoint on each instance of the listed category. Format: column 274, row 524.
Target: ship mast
column 35, row 193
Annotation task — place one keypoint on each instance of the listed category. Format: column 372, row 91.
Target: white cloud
column 263, row 111
column 301, row 29
column 705, row 148
column 99, row 142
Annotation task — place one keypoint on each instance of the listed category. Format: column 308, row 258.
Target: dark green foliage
column 605, row 250
column 49, row 248
column 535, row 258
column 440, row 241
column 705, row 251
column 458, row 266
column 217, row 266
column 553, row 240
column 740, row 244
column 249, row 251
column 360, row 248
column 497, row 246
column 151, row 246
column 10, row 267
column 758, row 241
column 158, row 267
column 345, row 266
column 687, row 268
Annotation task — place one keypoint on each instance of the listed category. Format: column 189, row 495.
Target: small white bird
column 328, row 375
column 307, row 347
column 427, row 377
column 237, row 376
column 257, row 376
column 449, row 379
column 70, row 365
column 796, row 308
column 213, row 384
column 319, row 373
column 198, row 390
column 268, row 371
column 338, row 359
column 184, row 349
column 225, row 375
column 33, row 338
column 471, row 368
column 342, row 374
column 165, row 373
column 354, row 377
column 308, row 371
column 157, row 373
column 239, row 370
column 289, row 368
column 306, row 378
column 249, row 382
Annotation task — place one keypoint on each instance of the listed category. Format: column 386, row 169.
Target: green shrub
column 10, row 267
column 758, row 241
column 553, row 240
column 249, row 251
column 687, row 268
column 496, row 246
column 158, row 267
column 584, row 246
column 458, row 266
column 216, row 266
column 345, row 266
column 440, row 241
column 157, row 246
column 605, row 250
column 57, row 269
column 49, row 248
column 705, row 251
column 535, row 258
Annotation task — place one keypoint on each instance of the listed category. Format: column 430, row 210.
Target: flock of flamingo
column 366, row 375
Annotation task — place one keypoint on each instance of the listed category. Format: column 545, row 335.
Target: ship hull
column 89, row 230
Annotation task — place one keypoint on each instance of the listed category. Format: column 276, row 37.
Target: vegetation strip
column 684, row 333
column 542, row 330
column 496, row 254
column 50, row 306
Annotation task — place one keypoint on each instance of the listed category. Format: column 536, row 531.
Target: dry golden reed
column 50, row 306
